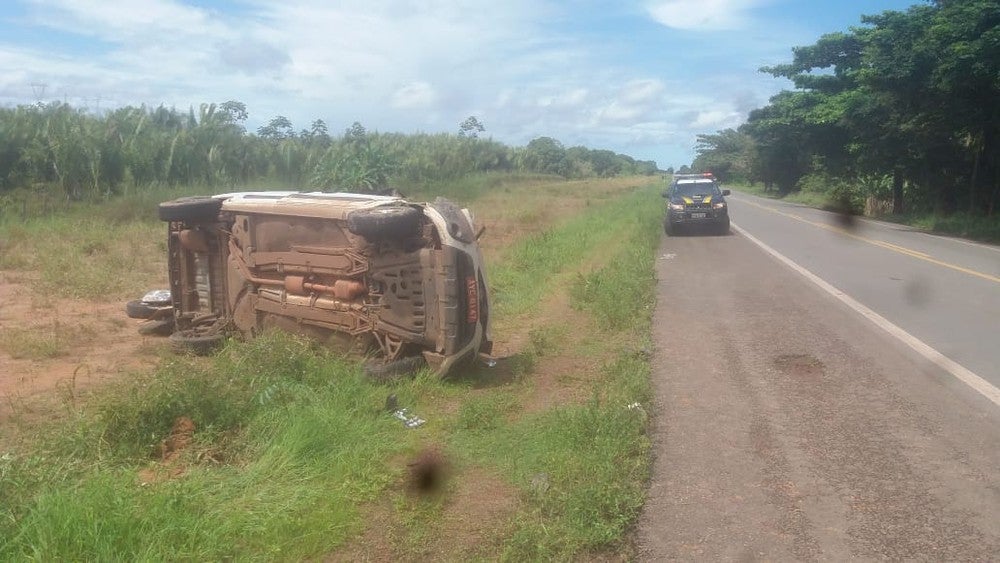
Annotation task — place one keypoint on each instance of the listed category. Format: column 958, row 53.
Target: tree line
column 902, row 113
column 83, row 155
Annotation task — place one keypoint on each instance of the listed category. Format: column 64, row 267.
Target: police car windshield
column 696, row 188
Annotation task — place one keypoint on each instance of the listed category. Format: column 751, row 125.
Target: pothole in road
column 799, row 365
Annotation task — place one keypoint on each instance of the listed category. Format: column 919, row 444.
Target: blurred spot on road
column 917, row 292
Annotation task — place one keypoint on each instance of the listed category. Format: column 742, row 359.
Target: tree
column 237, row 111
column 317, row 134
column 356, row 133
column 914, row 95
column 546, row 155
column 727, row 154
column 471, row 127
column 277, row 129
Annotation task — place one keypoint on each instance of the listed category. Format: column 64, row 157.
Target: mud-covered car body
column 366, row 273
column 696, row 200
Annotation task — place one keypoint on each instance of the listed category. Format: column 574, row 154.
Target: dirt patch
column 475, row 516
column 562, row 374
column 54, row 349
column 178, row 440
column 171, row 451
column 477, row 507
column 376, row 542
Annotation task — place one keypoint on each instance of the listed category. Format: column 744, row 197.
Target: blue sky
column 638, row 77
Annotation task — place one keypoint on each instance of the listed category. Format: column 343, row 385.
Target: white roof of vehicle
column 311, row 204
column 311, row 196
column 696, row 181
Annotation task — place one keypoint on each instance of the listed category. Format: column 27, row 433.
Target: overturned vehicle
column 399, row 282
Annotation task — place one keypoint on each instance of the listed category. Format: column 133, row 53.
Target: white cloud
column 566, row 100
column 118, row 20
column 635, row 102
column 393, row 65
column 415, row 95
column 715, row 119
column 642, row 92
column 703, row 14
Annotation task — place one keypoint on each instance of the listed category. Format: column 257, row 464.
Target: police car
column 696, row 200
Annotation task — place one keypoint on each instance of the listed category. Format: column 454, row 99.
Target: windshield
column 702, row 188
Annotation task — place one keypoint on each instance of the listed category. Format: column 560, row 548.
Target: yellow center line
column 903, row 249
column 880, row 243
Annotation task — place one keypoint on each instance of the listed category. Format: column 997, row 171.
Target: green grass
column 21, row 207
column 581, row 468
column 620, row 295
column 473, row 187
column 292, row 445
column 91, row 250
column 803, row 197
column 290, row 442
column 86, row 257
column 533, row 265
column 43, row 343
column 976, row 227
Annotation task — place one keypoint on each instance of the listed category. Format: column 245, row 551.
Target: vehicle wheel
column 385, row 372
column 384, row 222
column 195, row 342
column 157, row 328
column 724, row 228
column 136, row 309
column 197, row 208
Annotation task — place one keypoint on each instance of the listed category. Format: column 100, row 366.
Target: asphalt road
column 789, row 427
column 944, row 291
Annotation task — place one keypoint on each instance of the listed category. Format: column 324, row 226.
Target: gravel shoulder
column 788, row 427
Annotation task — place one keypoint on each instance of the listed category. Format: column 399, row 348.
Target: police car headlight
column 676, row 206
column 719, row 205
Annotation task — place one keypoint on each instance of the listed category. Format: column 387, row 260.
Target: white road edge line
column 980, row 385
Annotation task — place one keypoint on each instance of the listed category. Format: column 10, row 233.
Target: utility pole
column 38, row 89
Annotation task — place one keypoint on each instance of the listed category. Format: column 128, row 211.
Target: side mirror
column 665, row 193
column 726, row 192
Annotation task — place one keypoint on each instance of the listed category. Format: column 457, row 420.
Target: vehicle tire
column 724, row 228
column 671, row 229
column 195, row 342
column 385, row 222
column 161, row 327
column 136, row 309
column 197, row 208
column 386, row 372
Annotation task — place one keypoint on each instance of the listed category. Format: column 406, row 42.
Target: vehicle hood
column 691, row 200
